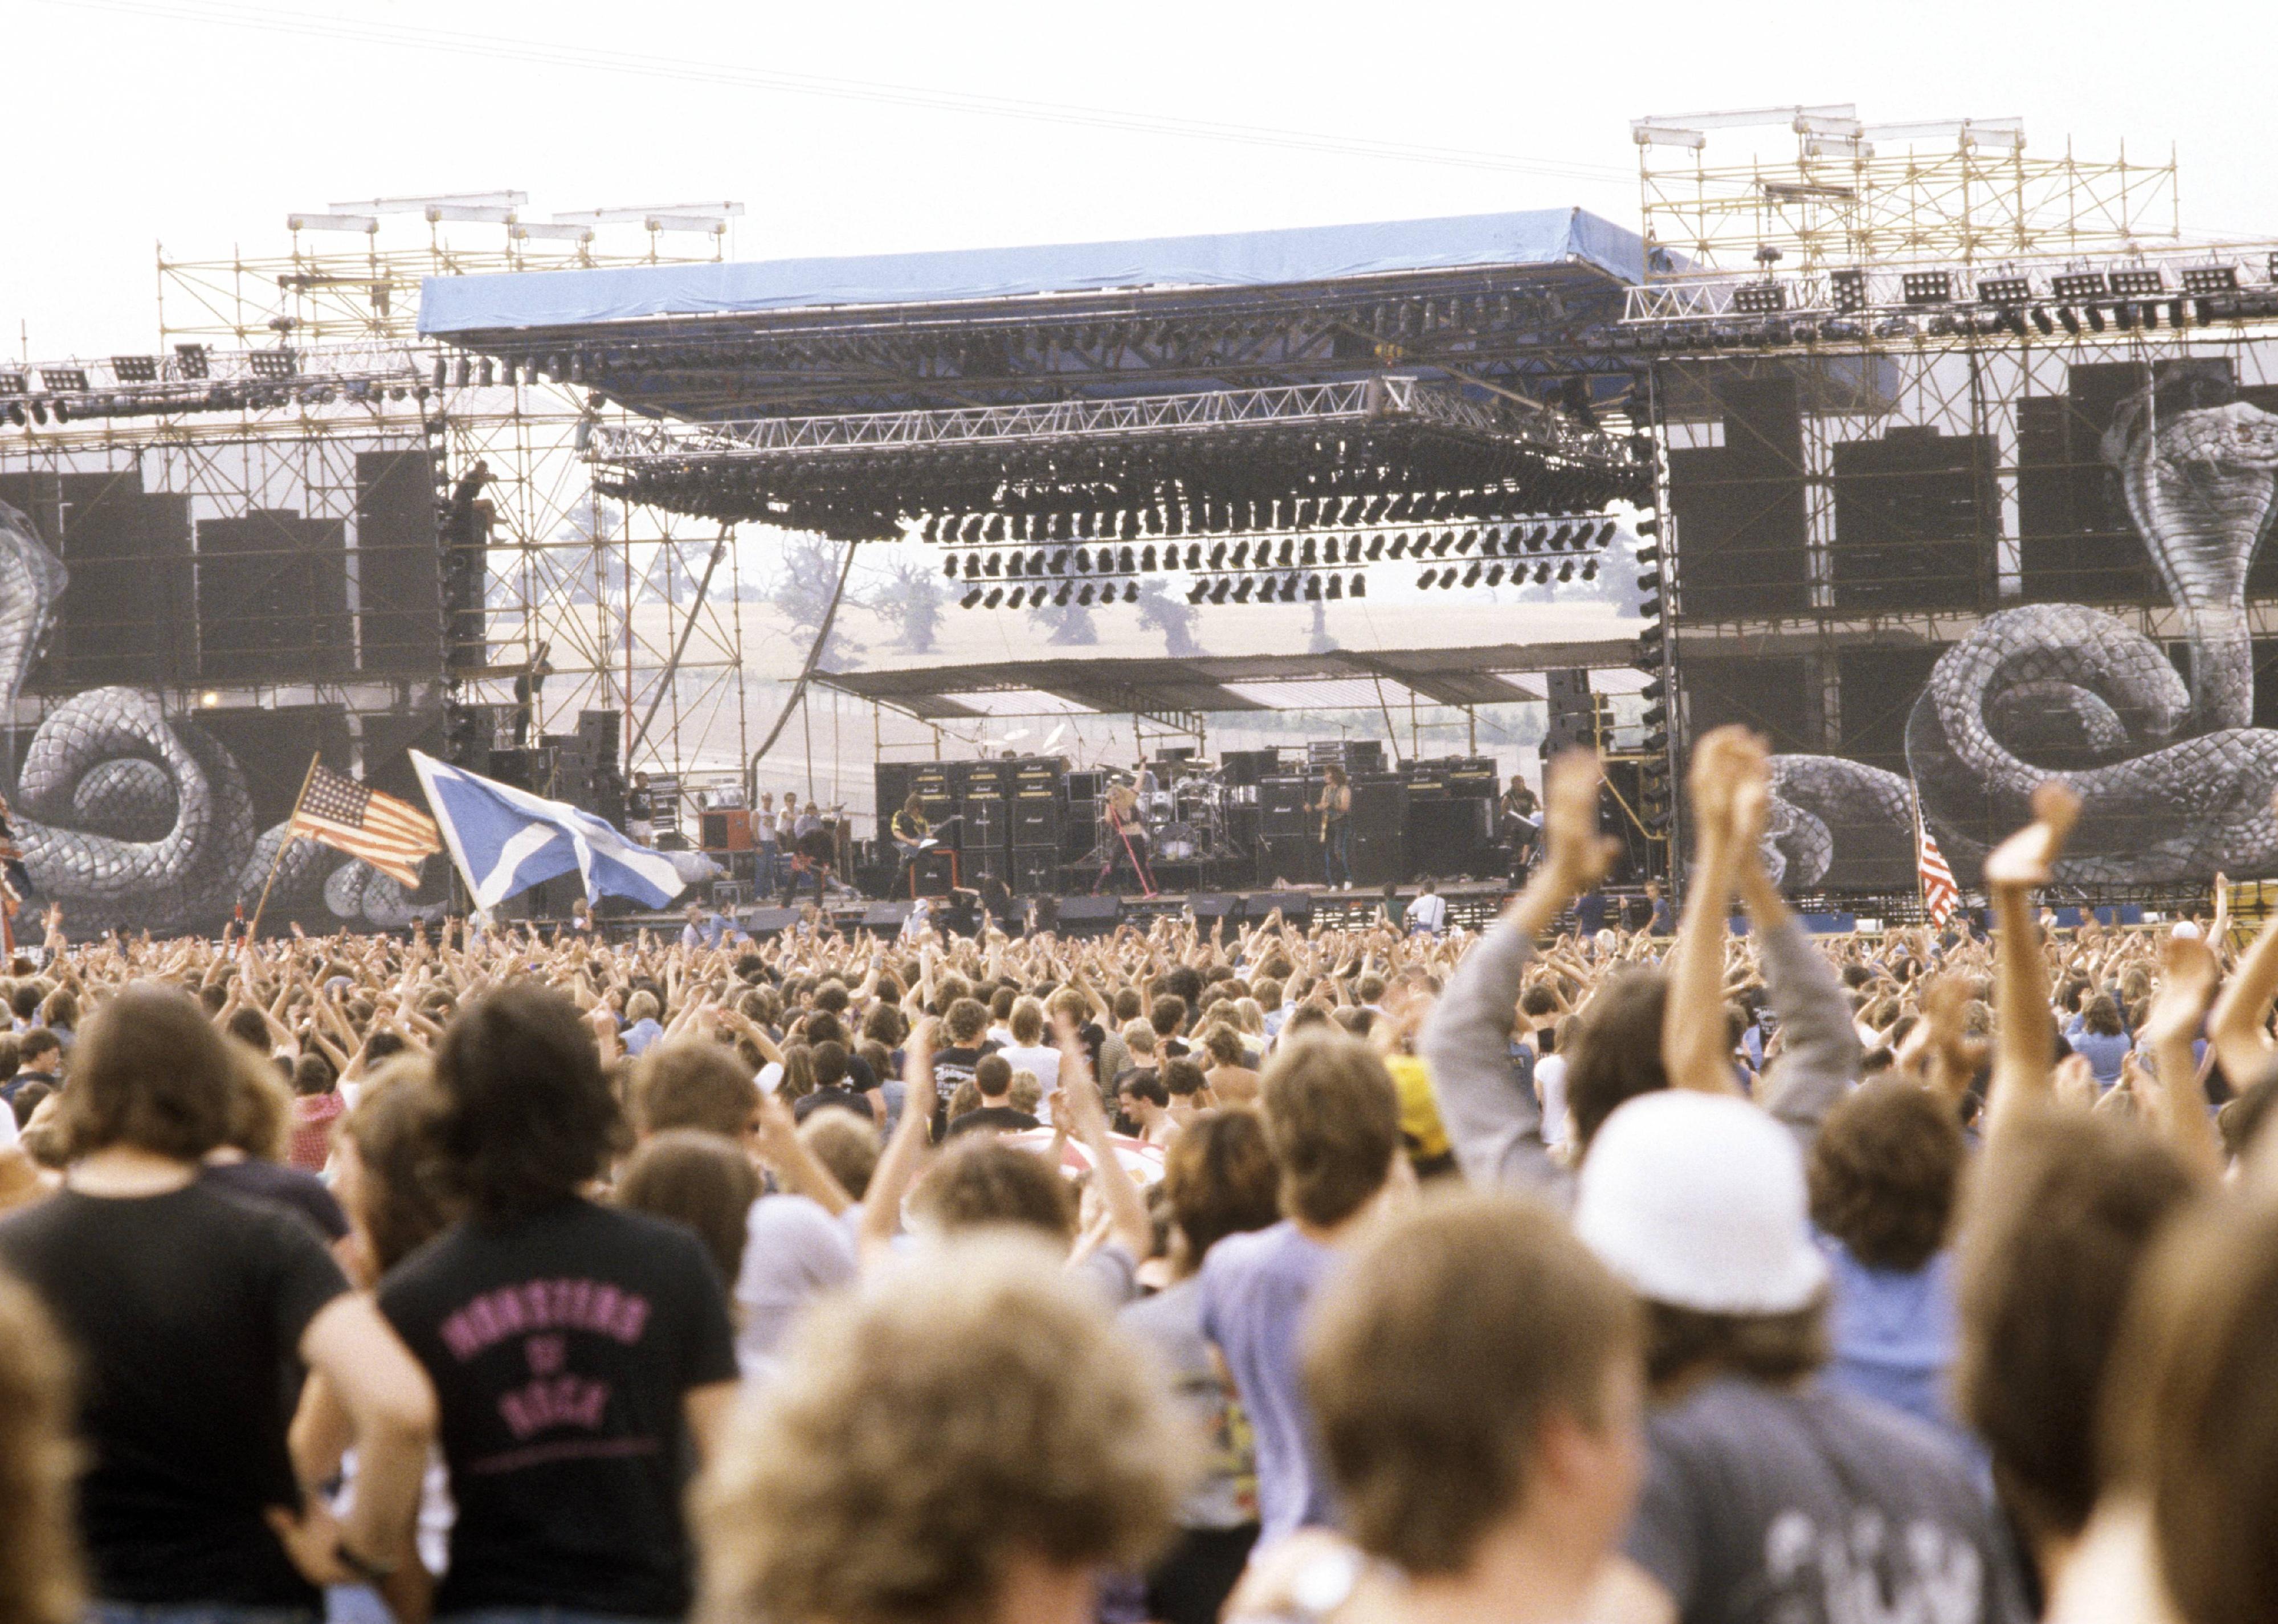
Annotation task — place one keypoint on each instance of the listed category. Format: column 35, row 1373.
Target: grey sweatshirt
column 1495, row 1125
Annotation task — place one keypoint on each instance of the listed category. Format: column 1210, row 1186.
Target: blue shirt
column 2103, row 1051
column 642, row 1033
column 1255, row 1291
column 1894, row 1335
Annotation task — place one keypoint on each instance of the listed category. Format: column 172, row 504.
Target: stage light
column 1308, row 555
column 442, row 373
column 1336, row 588
column 2151, row 316
column 1217, row 556
column 1195, row 592
column 995, row 596
column 1125, row 561
column 2210, row 278
column 1130, row 591
column 2096, row 318
column 1219, row 589
column 1289, row 589
column 2044, row 321
column 464, row 374
column 1241, row 554
column 1590, row 570
column 2175, row 312
column 1241, row 589
column 1648, row 528
column 973, row 566
column 995, row 566
column 1313, row 589
column 1495, row 575
column 40, row 413
column 1430, row 577
column 1375, row 548
column 1195, row 557
column 2071, row 319
column 1463, row 543
column 2124, row 315
column 2206, row 308
column 1016, row 565
column 1399, row 546
column 1649, row 606
column 1147, row 558
column 16, row 413
column 1017, row 597
column 486, row 374
column 1441, row 543
column 1359, row 586
column 1542, row 575
column 1651, row 645
column 1083, row 595
column 949, row 566
column 1067, row 590
column 1289, row 551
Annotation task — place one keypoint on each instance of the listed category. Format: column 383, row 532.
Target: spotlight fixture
column 1017, row 596
column 2096, row 318
column 1495, row 575
column 1083, row 595
column 1242, row 588
column 1430, row 577
column 995, row 596
column 1130, row 591
column 973, row 566
column 1060, row 598
column 1147, row 558
column 1336, row 589
column 1375, row 548
column 995, row 566
column 2070, row 318
column 1313, row 589
column 949, row 566
column 1241, row 554
column 1471, row 575
column 2044, row 321
column 970, row 599
column 1359, row 586
column 1195, row 556
column 1287, row 553
column 1399, row 545
column 1219, row 588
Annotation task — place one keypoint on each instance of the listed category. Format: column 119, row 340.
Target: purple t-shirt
column 1255, row 1291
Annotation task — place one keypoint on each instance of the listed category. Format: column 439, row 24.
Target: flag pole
column 253, row 931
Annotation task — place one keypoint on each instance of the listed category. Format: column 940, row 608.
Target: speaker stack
column 986, row 831
column 1039, row 820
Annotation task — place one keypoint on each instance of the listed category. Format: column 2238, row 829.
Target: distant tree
column 1320, row 641
column 1071, row 623
column 1159, row 611
column 800, row 585
column 911, row 597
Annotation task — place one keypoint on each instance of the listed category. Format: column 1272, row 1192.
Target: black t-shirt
column 821, row 1099
column 952, row 1067
column 559, row 1346
column 292, row 1189
column 1001, row 1119
column 183, row 1311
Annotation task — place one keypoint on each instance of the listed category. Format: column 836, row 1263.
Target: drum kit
column 1187, row 821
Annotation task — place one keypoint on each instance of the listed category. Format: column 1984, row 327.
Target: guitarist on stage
column 1336, row 808
column 910, row 830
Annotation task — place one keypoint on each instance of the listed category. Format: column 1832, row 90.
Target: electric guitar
column 911, row 849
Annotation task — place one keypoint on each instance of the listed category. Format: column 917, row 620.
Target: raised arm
column 1730, row 798
column 1820, row 1053
column 2025, row 1048
column 2186, row 984
column 882, row 1202
column 2241, row 1044
column 1494, row 1125
column 1079, row 1103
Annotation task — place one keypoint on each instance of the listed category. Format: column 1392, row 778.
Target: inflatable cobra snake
column 2175, row 782
column 128, row 818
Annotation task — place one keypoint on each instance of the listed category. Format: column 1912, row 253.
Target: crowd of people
column 1386, row 1275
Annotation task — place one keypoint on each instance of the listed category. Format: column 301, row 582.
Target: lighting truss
column 1213, row 456
column 2022, row 297
column 196, row 379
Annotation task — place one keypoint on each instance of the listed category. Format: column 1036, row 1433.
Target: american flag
column 1941, row 895
column 389, row 834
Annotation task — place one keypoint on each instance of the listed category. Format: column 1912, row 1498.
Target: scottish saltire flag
column 506, row 840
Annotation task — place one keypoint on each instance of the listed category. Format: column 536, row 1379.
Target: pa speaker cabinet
column 1379, row 830
column 1036, row 870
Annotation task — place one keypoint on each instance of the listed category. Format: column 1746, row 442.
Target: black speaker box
column 1450, row 837
column 1215, row 905
column 1379, row 830
column 1296, row 905
column 883, row 915
column 1035, row 871
column 767, row 921
column 1281, row 809
column 1090, row 910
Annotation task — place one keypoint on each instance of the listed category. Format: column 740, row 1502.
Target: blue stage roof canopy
column 541, row 299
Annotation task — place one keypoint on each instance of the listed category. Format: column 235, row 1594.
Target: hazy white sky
column 199, row 123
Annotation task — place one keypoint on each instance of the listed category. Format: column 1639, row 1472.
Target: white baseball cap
column 1697, row 1201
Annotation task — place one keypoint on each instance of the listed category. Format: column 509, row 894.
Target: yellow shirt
column 1419, row 1110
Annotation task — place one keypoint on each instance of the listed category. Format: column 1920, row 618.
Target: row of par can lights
column 1289, row 553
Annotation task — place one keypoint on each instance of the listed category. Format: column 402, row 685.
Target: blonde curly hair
column 41, row 1579
column 969, row 1405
